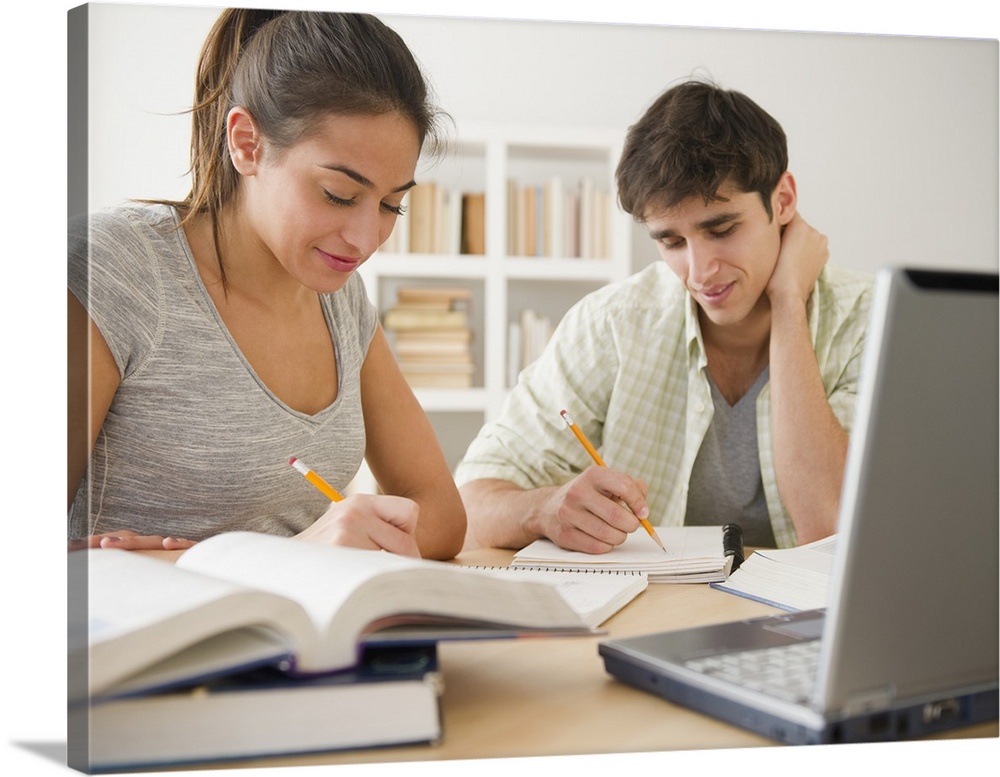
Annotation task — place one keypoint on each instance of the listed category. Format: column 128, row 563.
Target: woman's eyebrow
column 354, row 175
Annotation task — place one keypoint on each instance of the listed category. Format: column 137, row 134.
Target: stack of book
column 553, row 220
column 439, row 220
column 254, row 645
column 430, row 331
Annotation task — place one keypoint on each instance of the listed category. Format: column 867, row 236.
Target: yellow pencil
column 600, row 463
column 331, row 493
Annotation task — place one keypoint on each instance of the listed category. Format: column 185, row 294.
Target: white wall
column 892, row 139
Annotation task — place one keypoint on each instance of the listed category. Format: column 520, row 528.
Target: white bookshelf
column 484, row 159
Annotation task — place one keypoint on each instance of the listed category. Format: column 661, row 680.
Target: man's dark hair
column 692, row 140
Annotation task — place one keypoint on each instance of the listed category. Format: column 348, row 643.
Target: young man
column 719, row 384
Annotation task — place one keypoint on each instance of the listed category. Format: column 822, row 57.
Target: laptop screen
column 914, row 601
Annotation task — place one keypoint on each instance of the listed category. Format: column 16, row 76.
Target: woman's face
column 324, row 205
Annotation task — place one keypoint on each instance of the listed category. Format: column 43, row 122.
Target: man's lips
column 716, row 292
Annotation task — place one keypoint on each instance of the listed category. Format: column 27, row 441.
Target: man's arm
column 810, row 445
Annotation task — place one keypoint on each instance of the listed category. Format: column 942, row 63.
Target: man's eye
column 723, row 233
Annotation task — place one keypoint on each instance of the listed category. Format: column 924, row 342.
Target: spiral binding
column 619, row 572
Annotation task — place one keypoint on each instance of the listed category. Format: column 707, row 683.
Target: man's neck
column 737, row 354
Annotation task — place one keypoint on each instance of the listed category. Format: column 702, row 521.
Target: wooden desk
column 551, row 696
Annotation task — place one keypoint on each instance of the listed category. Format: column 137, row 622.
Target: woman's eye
column 397, row 210
column 333, row 198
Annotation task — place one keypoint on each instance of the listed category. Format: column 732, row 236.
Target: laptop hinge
column 871, row 700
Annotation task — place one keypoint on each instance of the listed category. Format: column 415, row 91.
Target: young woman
column 230, row 332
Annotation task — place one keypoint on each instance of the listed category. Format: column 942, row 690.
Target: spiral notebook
column 695, row 554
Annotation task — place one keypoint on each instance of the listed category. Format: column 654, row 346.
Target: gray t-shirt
column 726, row 484
column 194, row 443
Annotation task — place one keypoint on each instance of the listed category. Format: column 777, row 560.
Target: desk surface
column 551, row 696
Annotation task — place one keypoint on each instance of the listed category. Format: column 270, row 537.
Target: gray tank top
column 194, row 443
column 725, row 485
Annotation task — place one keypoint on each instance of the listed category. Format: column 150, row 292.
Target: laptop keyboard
column 785, row 671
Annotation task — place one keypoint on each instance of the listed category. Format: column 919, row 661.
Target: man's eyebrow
column 354, row 175
column 711, row 223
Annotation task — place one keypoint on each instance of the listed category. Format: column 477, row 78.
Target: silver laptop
column 907, row 645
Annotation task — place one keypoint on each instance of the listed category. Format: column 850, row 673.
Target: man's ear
column 784, row 199
column 244, row 141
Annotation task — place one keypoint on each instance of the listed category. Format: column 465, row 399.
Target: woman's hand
column 368, row 521
column 129, row 540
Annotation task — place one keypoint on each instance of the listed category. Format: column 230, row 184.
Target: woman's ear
column 244, row 141
column 784, row 199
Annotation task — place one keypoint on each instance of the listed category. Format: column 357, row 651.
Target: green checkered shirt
column 628, row 364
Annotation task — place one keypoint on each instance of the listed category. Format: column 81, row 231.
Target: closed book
column 392, row 698
column 442, row 336
column 438, row 380
column 415, row 350
column 408, row 318
column 422, row 218
column 446, row 296
column 474, row 223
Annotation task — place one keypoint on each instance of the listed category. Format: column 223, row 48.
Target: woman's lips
column 339, row 263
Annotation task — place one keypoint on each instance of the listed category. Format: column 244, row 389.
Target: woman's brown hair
column 288, row 69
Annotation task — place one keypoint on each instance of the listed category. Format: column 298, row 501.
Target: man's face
column 724, row 251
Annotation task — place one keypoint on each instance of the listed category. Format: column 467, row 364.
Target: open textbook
column 790, row 578
column 240, row 600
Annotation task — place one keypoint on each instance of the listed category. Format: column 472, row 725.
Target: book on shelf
column 695, row 554
column 445, row 297
column 398, row 241
column 441, row 220
column 552, row 220
column 526, row 338
column 437, row 374
column 473, row 229
column 432, row 342
column 241, row 600
column 792, row 579
column 391, row 698
column 400, row 317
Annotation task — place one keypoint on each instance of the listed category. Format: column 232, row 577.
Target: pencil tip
column 292, row 461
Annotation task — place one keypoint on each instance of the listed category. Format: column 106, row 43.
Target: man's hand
column 595, row 511
column 803, row 254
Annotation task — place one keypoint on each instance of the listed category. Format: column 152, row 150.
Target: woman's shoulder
column 124, row 222
column 118, row 254
column 129, row 231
